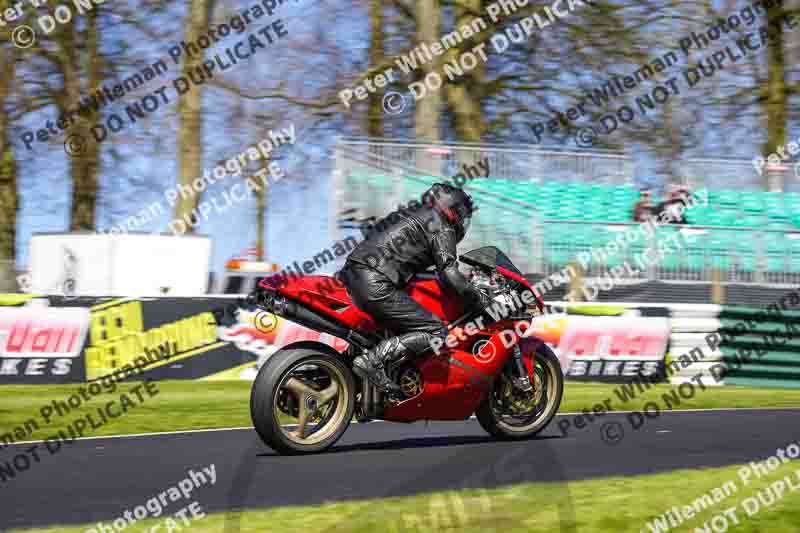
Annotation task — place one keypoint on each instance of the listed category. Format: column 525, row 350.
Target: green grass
column 184, row 405
column 611, row 505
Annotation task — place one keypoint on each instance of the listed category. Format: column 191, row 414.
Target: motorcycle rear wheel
column 308, row 390
column 494, row 417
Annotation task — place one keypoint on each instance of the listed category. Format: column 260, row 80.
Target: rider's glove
column 483, row 299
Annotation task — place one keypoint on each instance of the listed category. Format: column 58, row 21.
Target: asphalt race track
column 97, row 479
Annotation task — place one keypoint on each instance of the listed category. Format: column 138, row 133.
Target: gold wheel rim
column 549, row 386
column 313, row 404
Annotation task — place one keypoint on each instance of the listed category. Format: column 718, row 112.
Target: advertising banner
column 607, row 348
column 63, row 340
column 42, row 344
column 69, row 340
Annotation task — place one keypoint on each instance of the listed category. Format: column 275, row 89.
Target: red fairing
column 455, row 383
column 430, row 295
column 328, row 296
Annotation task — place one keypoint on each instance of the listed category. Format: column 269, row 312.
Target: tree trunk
column 9, row 199
column 465, row 105
column 429, row 26
column 376, row 57
column 85, row 158
column 261, row 211
column 775, row 94
column 190, row 133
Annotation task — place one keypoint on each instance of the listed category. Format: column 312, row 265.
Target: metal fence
column 696, row 254
column 737, row 174
column 373, row 177
column 367, row 184
column 511, row 162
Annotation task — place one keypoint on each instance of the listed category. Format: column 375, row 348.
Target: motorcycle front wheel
column 510, row 413
column 302, row 400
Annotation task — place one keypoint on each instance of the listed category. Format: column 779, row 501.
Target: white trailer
column 131, row 264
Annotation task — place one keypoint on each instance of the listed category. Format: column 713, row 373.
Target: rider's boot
column 372, row 366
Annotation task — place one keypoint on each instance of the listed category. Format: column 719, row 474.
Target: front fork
column 521, row 381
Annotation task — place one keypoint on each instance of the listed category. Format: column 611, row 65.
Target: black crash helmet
column 453, row 204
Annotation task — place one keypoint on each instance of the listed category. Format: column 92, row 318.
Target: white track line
column 690, row 410
column 179, row 432
column 189, row 431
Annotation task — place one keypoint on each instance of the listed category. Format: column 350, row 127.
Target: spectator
column 643, row 209
column 674, row 205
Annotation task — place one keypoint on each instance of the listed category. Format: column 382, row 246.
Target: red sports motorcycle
column 306, row 393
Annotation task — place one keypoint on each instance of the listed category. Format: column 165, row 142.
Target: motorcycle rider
column 376, row 272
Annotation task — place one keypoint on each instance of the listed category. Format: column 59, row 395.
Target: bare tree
column 190, row 135
column 9, row 197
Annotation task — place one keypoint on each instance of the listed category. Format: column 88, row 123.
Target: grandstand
column 545, row 207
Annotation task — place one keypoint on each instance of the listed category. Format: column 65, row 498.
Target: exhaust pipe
column 295, row 312
column 371, row 400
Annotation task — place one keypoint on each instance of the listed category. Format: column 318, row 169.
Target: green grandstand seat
column 692, row 260
column 728, row 198
column 551, row 189
column 776, row 263
column 617, row 215
column 725, row 217
column 777, row 213
column 773, row 242
column 791, row 203
column 719, row 245
column 744, row 251
column 774, row 246
column 792, row 247
column 748, row 222
column 752, row 202
column 773, row 200
column 778, row 225
column 584, row 235
column 698, row 215
column 557, row 257
column 792, row 243
column 746, row 260
column 593, row 211
column 597, row 192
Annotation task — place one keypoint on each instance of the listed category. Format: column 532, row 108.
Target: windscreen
column 489, row 257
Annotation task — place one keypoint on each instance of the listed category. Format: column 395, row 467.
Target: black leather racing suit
column 401, row 245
